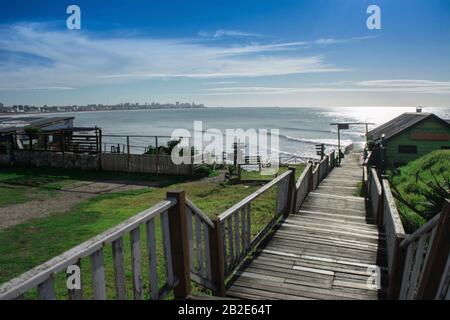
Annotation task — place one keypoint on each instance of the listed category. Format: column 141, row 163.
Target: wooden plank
column 46, row 290
column 249, row 226
column 179, row 245
column 119, row 269
column 190, row 237
column 237, row 234
column 76, row 294
column 230, row 243
column 138, row 292
column 199, row 245
column 98, row 275
column 206, row 235
column 167, row 248
column 153, row 270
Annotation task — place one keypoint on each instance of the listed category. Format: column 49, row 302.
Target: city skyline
column 226, row 54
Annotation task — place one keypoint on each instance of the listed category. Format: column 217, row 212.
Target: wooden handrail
column 197, row 211
column 41, row 273
column 397, row 222
column 303, row 175
column 419, row 232
column 251, row 197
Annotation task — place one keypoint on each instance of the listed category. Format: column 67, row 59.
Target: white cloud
column 327, row 41
column 392, row 86
column 71, row 58
column 227, row 33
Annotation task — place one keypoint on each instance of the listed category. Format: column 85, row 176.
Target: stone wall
column 27, row 158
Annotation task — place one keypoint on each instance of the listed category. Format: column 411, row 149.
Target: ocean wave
column 328, row 142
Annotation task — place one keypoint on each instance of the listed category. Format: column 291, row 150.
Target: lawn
column 19, row 185
column 256, row 175
column 29, row 244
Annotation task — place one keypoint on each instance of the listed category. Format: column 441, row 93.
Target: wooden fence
column 418, row 264
column 303, row 186
column 322, row 169
column 195, row 248
column 43, row 276
column 426, row 273
column 143, row 163
column 236, row 222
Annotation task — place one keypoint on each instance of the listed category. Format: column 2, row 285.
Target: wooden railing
column 374, row 192
column 236, row 222
column 394, row 234
column 200, row 236
column 426, row 272
column 303, row 186
column 321, row 170
column 44, row 275
column 195, row 248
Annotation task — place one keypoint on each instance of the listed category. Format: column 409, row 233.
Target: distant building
column 410, row 136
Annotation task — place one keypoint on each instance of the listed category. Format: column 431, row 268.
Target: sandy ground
column 62, row 201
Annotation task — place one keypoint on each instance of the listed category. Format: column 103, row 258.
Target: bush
column 424, row 184
column 207, row 170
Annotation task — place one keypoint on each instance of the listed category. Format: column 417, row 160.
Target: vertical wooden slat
column 98, row 275
column 249, row 225
column 46, row 290
column 198, row 244
column 417, row 264
column 138, row 293
column 153, row 270
column 407, row 272
column 223, row 244
column 243, row 229
column 190, row 237
column 237, row 234
column 230, row 242
column 167, row 248
column 207, row 256
column 76, row 294
column 119, row 269
column 434, row 269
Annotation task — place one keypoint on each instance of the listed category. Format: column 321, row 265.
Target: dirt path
column 62, row 201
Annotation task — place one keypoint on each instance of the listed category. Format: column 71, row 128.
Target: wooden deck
column 325, row 251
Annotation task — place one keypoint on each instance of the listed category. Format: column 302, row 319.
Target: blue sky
column 226, row 53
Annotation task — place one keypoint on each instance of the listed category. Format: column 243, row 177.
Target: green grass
column 19, row 185
column 412, row 181
column 9, row 196
column 256, row 176
column 29, row 244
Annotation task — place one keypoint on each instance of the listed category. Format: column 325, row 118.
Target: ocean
column 300, row 128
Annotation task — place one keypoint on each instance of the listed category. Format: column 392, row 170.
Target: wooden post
column 339, row 146
column 291, row 192
column 398, row 265
column 435, row 268
column 128, row 154
column 398, row 253
column 217, row 258
column 179, row 244
column 311, row 169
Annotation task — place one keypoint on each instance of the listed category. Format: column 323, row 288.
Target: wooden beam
column 180, row 244
column 217, row 258
column 435, row 267
column 291, row 199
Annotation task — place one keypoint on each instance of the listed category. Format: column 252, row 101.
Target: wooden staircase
column 329, row 249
